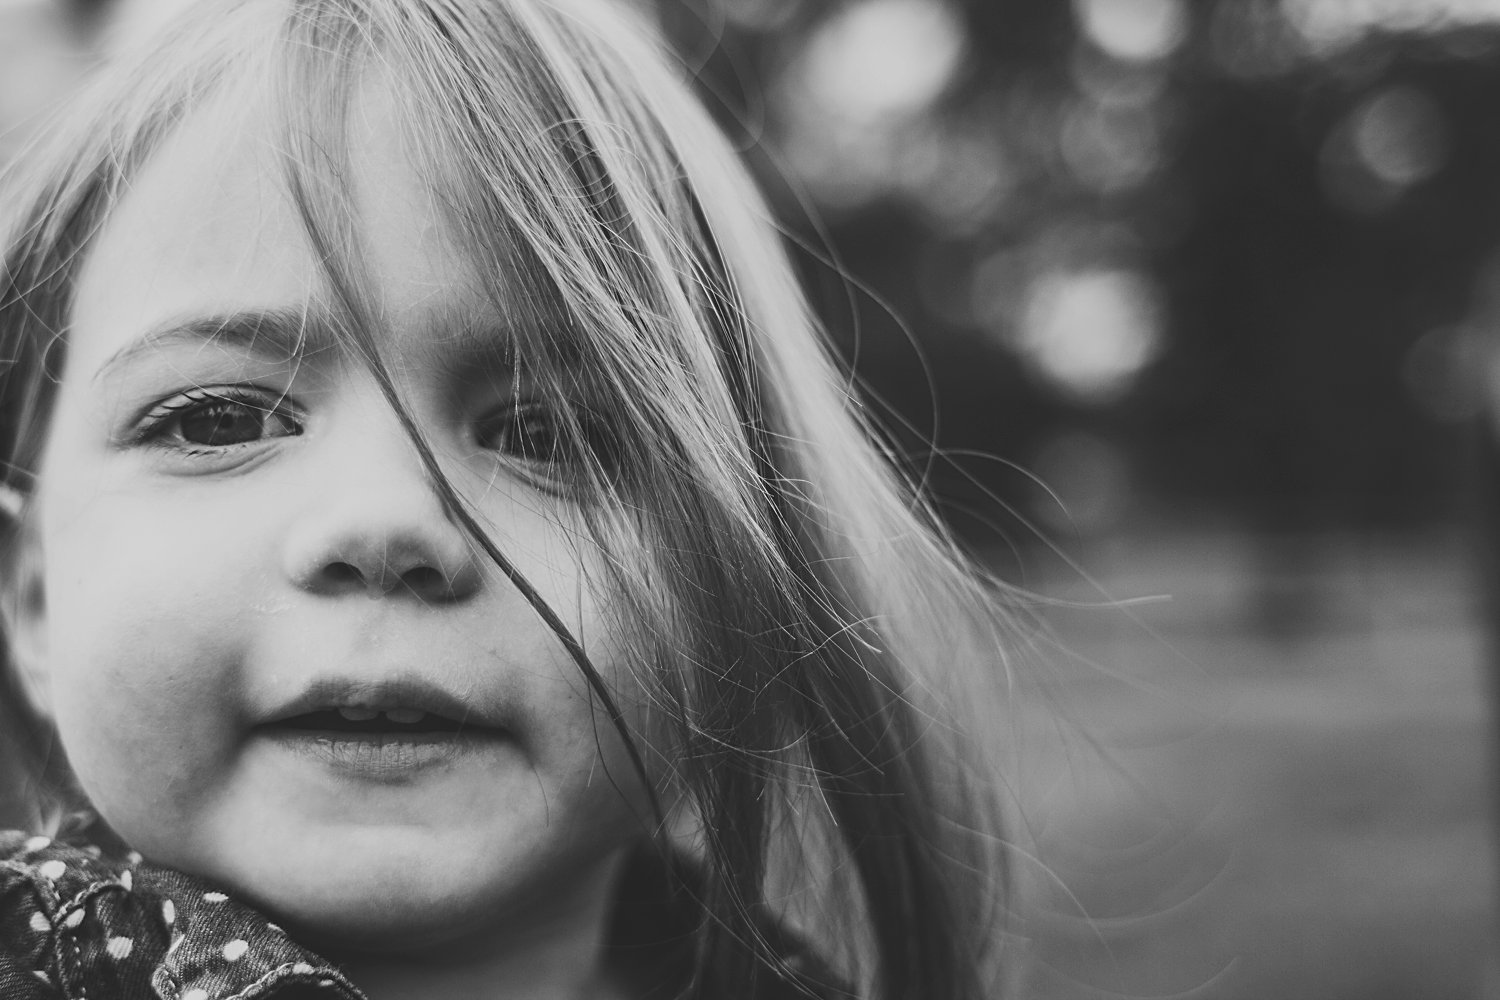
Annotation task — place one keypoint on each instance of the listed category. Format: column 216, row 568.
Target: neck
column 554, row 951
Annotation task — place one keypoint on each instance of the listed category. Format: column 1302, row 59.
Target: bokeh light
column 1395, row 138
column 1400, row 136
column 1333, row 24
column 1444, row 372
column 1091, row 331
column 855, row 98
column 1110, row 148
column 761, row 15
column 1134, row 29
column 879, row 59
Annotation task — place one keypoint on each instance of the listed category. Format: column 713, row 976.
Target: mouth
column 357, row 720
column 387, row 731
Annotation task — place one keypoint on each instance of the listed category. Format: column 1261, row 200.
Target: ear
column 22, row 594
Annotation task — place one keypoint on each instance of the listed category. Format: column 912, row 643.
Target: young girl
column 444, row 556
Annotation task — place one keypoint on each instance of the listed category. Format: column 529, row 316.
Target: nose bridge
column 372, row 520
column 367, row 445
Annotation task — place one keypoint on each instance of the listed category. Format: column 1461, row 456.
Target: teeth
column 405, row 715
column 358, row 714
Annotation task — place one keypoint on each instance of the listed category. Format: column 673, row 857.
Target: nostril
column 343, row 573
column 426, row 582
column 376, row 558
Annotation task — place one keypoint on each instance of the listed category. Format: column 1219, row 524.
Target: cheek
column 583, row 746
column 144, row 635
column 148, row 568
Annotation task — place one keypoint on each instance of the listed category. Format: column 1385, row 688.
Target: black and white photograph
column 749, row 499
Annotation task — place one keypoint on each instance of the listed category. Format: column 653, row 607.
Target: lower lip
column 386, row 756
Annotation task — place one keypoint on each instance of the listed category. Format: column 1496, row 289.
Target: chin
column 411, row 928
column 383, row 909
column 390, row 896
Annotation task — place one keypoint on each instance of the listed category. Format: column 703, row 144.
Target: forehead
column 208, row 227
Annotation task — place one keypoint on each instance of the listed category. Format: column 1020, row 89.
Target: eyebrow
column 469, row 344
column 278, row 333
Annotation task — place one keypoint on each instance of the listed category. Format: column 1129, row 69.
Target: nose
column 374, row 525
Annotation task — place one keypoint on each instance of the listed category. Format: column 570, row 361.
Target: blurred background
column 1197, row 300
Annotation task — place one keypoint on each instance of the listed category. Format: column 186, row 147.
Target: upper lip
column 401, row 692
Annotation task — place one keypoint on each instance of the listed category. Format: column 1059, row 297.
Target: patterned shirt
column 75, row 925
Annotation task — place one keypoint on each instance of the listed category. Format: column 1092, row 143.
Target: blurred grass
column 1291, row 792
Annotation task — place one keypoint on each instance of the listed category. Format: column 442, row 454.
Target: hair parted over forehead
column 810, row 640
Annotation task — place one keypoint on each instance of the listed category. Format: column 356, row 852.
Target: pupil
column 528, row 434
column 223, row 424
column 530, row 438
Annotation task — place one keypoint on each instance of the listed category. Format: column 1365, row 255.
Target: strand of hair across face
column 452, row 503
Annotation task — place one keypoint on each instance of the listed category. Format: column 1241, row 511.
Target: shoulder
column 47, row 891
column 75, row 923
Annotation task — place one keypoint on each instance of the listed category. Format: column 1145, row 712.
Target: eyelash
column 165, row 422
column 510, row 430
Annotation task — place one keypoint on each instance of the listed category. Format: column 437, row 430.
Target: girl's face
column 251, row 592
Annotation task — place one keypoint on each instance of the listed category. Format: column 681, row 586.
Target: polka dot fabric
column 78, row 926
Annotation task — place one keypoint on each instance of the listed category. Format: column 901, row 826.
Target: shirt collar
column 221, row 949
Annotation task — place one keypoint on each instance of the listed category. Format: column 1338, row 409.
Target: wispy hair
column 827, row 670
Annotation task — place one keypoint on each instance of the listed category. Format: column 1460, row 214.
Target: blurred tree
column 1304, row 216
column 1305, row 278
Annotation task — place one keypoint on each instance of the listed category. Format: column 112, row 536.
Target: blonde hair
column 828, row 666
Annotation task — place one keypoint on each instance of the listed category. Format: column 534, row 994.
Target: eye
column 536, row 434
column 221, row 418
